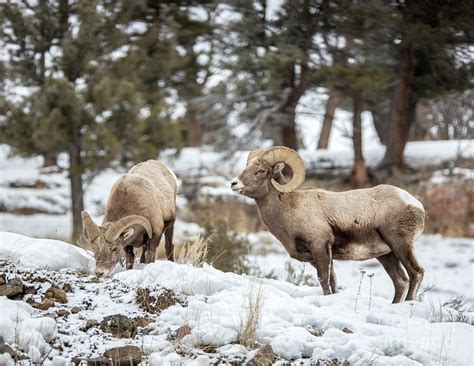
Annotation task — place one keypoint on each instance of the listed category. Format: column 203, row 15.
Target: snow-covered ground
column 298, row 322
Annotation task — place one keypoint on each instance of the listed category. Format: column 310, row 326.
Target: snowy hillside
column 176, row 314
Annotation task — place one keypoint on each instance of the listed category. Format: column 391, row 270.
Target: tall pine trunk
column 77, row 193
column 401, row 109
column 331, row 105
column 288, row 132
column 194, row 135
column 359, row 175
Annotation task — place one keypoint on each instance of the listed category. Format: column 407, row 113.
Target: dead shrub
column 250, row 326
column 155, row 305
column 226, row 249
column 194, row 253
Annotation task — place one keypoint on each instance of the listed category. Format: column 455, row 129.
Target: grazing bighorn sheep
column 140, row 208
column 318, row 226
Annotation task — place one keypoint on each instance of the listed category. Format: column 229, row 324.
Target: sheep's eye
column 262, row 171
column 114, row 250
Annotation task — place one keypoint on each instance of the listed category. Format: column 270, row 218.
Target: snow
column 447, row 175
column 217, row 303
column 298, row 322
column 45, row 253
column 206, row 162
column 18, row 326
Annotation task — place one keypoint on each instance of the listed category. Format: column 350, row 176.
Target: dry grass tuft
column 195, row 252
column 298, row 277
column 250, row 327
column 156, row 305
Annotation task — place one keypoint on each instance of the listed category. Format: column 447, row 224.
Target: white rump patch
column 409, row 199
column 172, row 173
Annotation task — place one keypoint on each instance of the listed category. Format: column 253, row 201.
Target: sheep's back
column 148, row 189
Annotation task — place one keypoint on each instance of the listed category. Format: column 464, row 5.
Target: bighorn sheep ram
column 318, row 226
column 140, row 208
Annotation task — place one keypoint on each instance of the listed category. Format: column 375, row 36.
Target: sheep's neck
column 271, row 204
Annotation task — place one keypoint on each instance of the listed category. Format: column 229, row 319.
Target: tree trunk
column 359, row 175
column 331, row 106
column 402, row 99
column 75, row 177
column 381, row 119
column 288, row 131
column 194, row 135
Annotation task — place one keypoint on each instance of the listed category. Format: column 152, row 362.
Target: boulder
column 263, row 357
column 44, row 305
column 119, row 326
column 124, row 356
column 56, row 294
column 90, row 323
column 12, row 288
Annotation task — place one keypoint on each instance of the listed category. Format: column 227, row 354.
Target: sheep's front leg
column 151, row 248
column 129, row 257
column 322, row 261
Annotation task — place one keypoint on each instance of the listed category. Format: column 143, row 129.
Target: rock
column 347, row 330
column 29, row 290
column 56, row 294
column 95, row 361
column 62, row 313
column 44, row 305
column 182, row 332
column 67, row 287
column 119, row 326
column 2, row 280
column 124, row 356
column 12, row 288
column 90, row 323
column 5, row 348
column 142, row 322
column 75, row 309
column 263, row 357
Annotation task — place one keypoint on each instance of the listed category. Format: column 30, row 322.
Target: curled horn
column 281, row 154
column 253, row 154
column 89, row 226
column 121, row 225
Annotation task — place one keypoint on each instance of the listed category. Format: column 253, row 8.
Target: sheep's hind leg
column 322, row 262
column 403, row 250
column 333, row 279
column 397, row 274
column 169, row 248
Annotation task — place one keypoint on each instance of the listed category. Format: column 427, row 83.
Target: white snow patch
column 18, row 327
column 218, row 303
column 45, row 253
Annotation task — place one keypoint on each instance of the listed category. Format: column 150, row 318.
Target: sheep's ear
column 277, row 169
column 82, row 241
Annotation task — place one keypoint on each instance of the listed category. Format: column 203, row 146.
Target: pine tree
column 95, row 89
